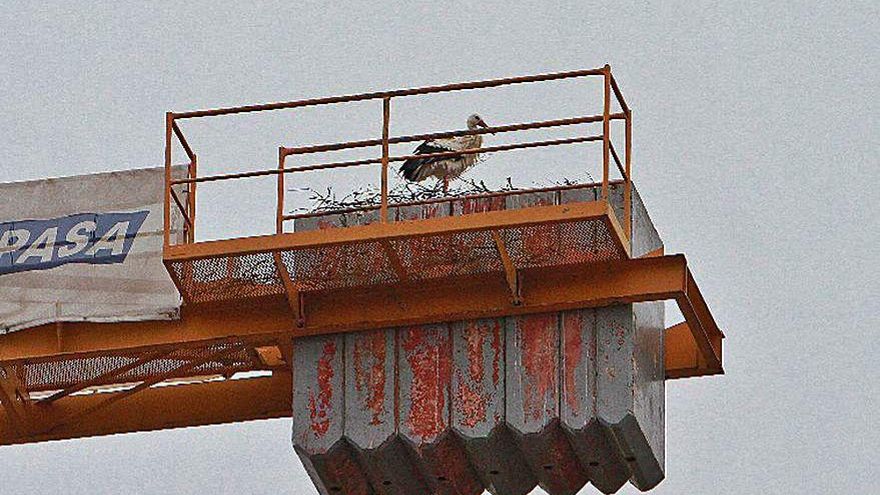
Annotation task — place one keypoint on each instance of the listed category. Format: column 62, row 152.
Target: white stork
column 444, row 168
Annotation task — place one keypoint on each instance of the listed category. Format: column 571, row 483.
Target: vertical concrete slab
column 593, row 444
column 646, row 440
column 579, row 195
column 370, row 410
column 318, row 419
column 424, row 387
column 615, row 199
column 533, row 392
column 478, row 402
column 630, row 404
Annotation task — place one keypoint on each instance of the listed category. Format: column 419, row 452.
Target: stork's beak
column 483, row 124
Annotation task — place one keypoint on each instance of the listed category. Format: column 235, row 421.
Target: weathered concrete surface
column 532, row 402
column 558, row 399
column 592, row 442
column 318, row 425
column 478, row 407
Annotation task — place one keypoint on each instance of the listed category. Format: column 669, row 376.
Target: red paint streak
column 574, row 355
column 539, row 343
column 369, row 369
column 320, row 407
column 471, row 404
column 594, row 355
column 431, row 211
column 497, row 356
column 480, row 205
column 471, row 396
column 474, row 337
column 427, row 353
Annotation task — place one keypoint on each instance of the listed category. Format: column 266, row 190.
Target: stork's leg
column 445, row 185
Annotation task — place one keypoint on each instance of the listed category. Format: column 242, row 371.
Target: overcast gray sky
column 756, row 143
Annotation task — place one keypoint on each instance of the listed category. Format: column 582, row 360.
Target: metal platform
column 228, row 358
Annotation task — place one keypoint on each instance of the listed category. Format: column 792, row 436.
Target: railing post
column 169, row 121
column 606, row 131
column 191, row 199
column 627, row 188
column 386, row 117
column 279, row 212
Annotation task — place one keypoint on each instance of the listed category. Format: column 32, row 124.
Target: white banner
column 85, row 248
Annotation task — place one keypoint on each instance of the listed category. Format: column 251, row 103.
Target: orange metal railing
column 609, row 153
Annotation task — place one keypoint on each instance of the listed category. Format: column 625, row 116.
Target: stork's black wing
column 410, row 168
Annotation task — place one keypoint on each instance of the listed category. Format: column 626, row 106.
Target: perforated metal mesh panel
column 448, row 255
column 339, row 266
column 228, row 278
column 561, row 244
column 59, row 374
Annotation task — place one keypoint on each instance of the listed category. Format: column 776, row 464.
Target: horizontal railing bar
column 619, row 95
column 453, row 198
column 213, row 178
column 490, row 83
column 183, row 142
column 616, row 159
column 505, row 147
column 324, row 166
column 448, row 134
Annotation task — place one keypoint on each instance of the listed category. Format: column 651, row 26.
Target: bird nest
column 366, row 197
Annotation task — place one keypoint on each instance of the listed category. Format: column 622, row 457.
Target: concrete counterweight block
column 503, row 404
column 532, row 391
column 478, row 407
column 424, row 381
column 318, row 422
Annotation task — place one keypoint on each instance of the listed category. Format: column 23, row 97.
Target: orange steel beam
column 160, row 408
column 400, row 158
column 270, row 320
column 683, row 357
column 490, row 220
column 606, row 131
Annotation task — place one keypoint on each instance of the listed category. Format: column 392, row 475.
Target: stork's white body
column 451, row 168
column 445, row 169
